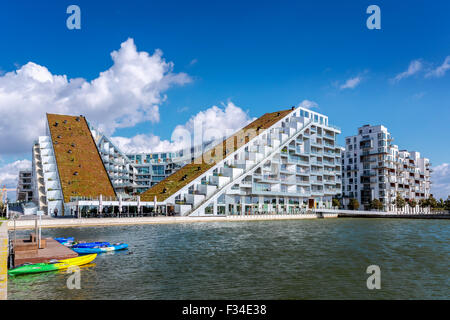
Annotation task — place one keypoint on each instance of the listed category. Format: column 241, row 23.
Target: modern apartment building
column 151, row 168
column 24, row 187
column 284, row 161
column 375, row 168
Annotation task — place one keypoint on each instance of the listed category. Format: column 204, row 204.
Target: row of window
column 315, row 117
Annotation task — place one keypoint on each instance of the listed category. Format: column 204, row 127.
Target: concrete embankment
column 3, row 260
column 93, row 222
column 375, row 214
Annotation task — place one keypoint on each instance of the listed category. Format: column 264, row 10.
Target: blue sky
column 261, row 55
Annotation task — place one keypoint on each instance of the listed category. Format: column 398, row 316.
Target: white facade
column 291, row 166
column 24, row 186
column 45, row 178
column 374, row 168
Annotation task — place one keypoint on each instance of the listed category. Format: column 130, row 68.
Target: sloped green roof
column 191, row 171
column 80, row 167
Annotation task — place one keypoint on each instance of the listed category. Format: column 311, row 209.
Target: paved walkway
column 87, row 222
column 3, row 260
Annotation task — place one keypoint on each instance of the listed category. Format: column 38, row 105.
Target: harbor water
column 297, row 259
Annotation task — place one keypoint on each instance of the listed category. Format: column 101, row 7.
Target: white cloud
column 414, row 67
column 129, row 92
column 441, row 181
column 441, row 70
column 351, row 83
column 308, row 104
column 182, row 109
column 418, row 96
column 145, row 143
column 215, row 122
column 9, row 173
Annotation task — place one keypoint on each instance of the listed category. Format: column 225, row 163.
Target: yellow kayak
column 78, row 261
column 58, row 265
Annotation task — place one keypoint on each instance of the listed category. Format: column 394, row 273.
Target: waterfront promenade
column 50, row 222
column 3, row 260
column 91, row 222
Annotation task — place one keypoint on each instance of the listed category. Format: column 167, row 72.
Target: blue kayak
column 64, row 240
column 91, row 244
column 100, row 249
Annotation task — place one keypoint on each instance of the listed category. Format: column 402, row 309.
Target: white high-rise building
column 374, row 168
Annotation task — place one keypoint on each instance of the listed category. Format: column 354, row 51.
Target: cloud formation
column 414, row 67
column 128, row 93
column 308, row 104
column 213, row 123
column 351, row 83
column 441, row 70
column 441, row 181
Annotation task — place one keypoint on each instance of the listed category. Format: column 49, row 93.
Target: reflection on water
column 303, row 259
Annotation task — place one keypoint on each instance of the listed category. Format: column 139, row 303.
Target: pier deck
column 52, row 250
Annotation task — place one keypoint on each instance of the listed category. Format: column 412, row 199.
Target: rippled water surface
column 301, row 259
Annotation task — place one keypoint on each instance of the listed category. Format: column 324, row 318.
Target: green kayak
column 46, row 267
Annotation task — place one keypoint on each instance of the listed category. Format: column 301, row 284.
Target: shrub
column 336, row 203
column 376, row 204
column 353, row 204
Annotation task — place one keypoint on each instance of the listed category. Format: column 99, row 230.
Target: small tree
column 336, row 203
column 447, row 204
column 423, row 203
column 353, row 204
column 441, row 204
column 432, row 202
column 412, row 203
column 2, row 208
column 376, row 204
column 399, row 201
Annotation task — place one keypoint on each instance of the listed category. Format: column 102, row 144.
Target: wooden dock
column 26, row 250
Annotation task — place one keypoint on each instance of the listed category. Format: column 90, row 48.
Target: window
column 138, row 159
column 144, row 170
column 158, row 170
